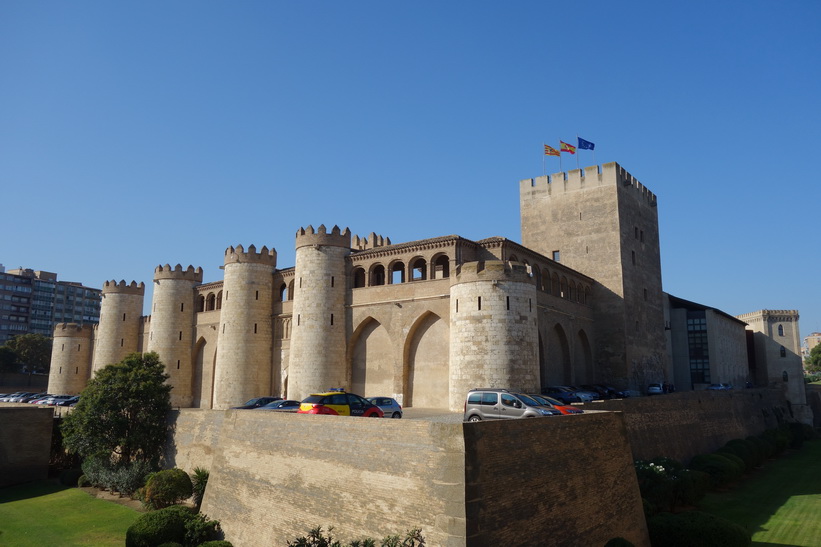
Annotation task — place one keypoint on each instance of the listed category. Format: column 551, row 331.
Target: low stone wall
column 682, row 425
column 275, row 476
column 25, row 442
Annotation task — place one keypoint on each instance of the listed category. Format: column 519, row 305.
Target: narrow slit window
column 60, row 371
column 180, row 335
column 182, row 306
column 332, row 281
column 332, row 319
column 508, row 302
column 123, row 317
column 255, row 328
column 457, row 305
column 76, row 370
column 256, row 297
column 178, row 364
column 122, row 342
column 480, row 303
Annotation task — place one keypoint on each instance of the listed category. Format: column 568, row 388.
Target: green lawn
column 779, row 504
column 47, row 513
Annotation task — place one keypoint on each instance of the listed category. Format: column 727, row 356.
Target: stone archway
column 427, row 361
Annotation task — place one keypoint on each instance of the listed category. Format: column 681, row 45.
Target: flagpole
column 544, row 153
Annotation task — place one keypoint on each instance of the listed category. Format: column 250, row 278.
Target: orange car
column 339, row 403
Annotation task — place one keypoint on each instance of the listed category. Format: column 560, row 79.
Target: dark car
column 285, row 405
column 257, row 402
column 564, row 394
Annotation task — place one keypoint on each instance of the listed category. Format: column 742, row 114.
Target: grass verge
column 779, row 504
column 48, row 513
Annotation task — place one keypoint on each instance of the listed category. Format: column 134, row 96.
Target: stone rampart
column 274, row 476
column 682, row 425
column 25, row 442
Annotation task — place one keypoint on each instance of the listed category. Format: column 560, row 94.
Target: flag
column 550, row 151
column 568, row 147
column 585, row 145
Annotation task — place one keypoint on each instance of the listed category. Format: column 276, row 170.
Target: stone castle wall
column 25, row 443
column 274, row 476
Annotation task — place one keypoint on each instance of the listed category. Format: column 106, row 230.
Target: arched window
column 563, row 288
column 780, row 330
column 211, row 302
column 219, row 300
column 783, row 351
column 377, row 275
column 441, row 267
column 358, row 278
column 537, row 277
column 555, row 285
column 397, row 273
column 418, row 269
column 572, row 291
column 201, row 304
column 283, row 293
column 512, row 258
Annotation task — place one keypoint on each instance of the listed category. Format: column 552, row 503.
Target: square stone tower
column 603, row 223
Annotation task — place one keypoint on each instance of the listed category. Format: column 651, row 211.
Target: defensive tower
column 493, row 329
column 604, row 223
column 118, row 332
column 172, row 326
column 319, row 325
column 70, row 358
column 245, row 338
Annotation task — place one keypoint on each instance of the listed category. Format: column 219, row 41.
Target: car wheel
column 475, row 418
column 374, row 415
column 396, row 415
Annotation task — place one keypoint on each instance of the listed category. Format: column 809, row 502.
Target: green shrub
column 69, row 477
column 740, row 464
column 742, row 449
column 780, row 437
column 694, row 528
column 316, row 538
column 691, row 486
column 166, row 488
column 656, row 484
column 155, row 527
column 170, row 544
column 216, row 543
column 199, row 529
column 722, row 470
column 759, row 448
column 199, row 480
column 83, row 481
column 122, row 478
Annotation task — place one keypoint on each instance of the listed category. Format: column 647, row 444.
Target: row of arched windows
column 552, row 283
column 210, row 302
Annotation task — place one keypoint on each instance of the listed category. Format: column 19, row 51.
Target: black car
column 257, row 402
column 281, row 405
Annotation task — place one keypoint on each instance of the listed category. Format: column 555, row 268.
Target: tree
column 33, row 351
column 122, row 412
column 813, row 362
column 8, row 360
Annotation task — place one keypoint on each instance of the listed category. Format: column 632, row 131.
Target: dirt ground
column 114, row 498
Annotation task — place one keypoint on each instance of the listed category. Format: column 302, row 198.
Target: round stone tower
column 70, row 359
column 172, row 327
column 318, row 335
column 245, row 338
column 493, row 329
column 118, row 332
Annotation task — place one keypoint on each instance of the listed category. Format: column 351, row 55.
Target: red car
column 558, row 405
column 340, row 404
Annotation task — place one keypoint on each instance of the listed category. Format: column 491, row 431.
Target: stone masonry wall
column 682, row 425
column 566, row 481
column 25, row 442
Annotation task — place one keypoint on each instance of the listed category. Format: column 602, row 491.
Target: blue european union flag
column 585, row 145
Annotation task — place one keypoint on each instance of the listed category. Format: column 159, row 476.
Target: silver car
column 389, row 406
column 496, row 404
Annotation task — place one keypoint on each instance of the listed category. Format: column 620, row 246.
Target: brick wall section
column 25, row 441
column 682, row 425
column 566, row 481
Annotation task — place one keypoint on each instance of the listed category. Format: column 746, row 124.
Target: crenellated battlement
column 306, row 237
column 371, row 242
column 72, row 330
column 492, row 270
column 167, row 272
column 609, row 174
column 122, row 288
column 238, row 255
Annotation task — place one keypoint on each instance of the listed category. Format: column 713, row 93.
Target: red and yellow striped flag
column 568, row 147
column 550, row 151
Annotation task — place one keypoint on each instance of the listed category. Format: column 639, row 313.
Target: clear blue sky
column 134, row 134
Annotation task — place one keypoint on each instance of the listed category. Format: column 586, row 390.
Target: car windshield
column 314, row 399
column 527, row 400
column 553, row 401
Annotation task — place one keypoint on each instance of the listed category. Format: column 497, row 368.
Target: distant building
column 33, row 302
column 810, row 342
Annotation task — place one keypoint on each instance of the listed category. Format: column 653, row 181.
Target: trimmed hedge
column 695, row 528
column 721, row 468
column 166, row 488
column 161, row 526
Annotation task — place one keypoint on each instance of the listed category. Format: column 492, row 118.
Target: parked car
column 339, row 403
column 22, row 396
column 495, row 404
column 720, row 387
column 8, row 398
column 70, row 402
column 585, row 394
column 35, row 399
column 655, row 389
column 257, row 402
column 388, row 405
column 284, row 405
column 55, row 400
column 556, row 404
column 562, row 393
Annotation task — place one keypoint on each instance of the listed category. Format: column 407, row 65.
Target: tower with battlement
column 70, row 358
column 118, row 332
column 243, row 368
column 172, row 326
column 319, row 330
column 493, row 329
column 603, row 223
